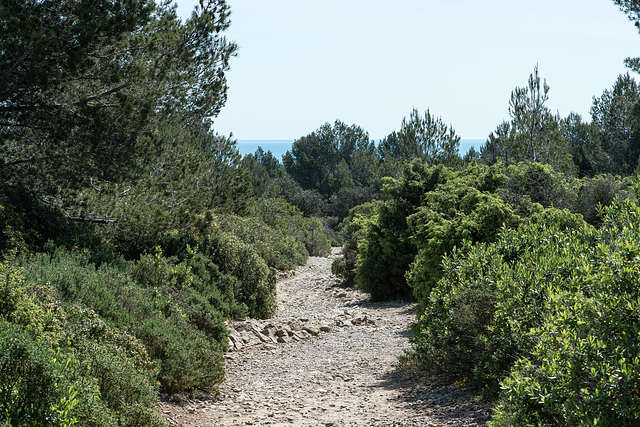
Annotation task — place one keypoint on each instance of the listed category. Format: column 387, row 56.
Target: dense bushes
column 278, row 249
column 64, row 365
column 169, row 284
column 551, row 312
column 464, row 208
column 429, row 211
column 424, row 214
column 460, row 331
column 539, row 183
column 288, row 220
column 31, row 392
column 515, row 290
column 584, row 367
column 177, row 316
column 386, row 251
column 352, row 231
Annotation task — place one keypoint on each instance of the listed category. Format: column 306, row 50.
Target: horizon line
column 295, row 139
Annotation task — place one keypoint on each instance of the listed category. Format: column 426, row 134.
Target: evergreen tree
column 426, row 138
column 533, row 134
column 337, row 163
column 314, row 159
column 499, row 145
column 578, row 135
column 615, row 141
column 82, row 81
column 530, row 115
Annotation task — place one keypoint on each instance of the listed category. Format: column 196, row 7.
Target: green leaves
column 83, row 81
column 615, row 141
column 335, row 166
column 62, row 365
column 549, row 312
column 426, row 138
column 533, row 134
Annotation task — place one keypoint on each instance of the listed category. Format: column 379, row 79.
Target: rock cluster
column 248, row 333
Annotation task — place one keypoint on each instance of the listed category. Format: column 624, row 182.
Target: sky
column 303, row 63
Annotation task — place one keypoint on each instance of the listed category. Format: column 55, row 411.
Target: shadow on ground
column 444, row 404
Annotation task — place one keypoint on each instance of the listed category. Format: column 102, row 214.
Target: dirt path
column 329, row 358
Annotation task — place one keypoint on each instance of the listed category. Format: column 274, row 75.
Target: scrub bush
column 64, row 365
column 455, row 212
column 257, row 281
column 35, row 388
column 541, row 184
column 549, row 315
column 423, row 216
column 279, row 250
column 286, row 218
column 352, row 230
column 584, row 368
column 386, row 251
column 154, row 301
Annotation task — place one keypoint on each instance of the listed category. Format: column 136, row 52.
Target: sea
column 279, row 147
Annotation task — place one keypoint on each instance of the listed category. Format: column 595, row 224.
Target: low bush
column 279, row 250
column 584, row 367
column 257, row 289
column 386, row 250
column 152, row 299
column 477, row 319
column 352, row 231
column 423, row 216
column 62, row 366
column 34, row 387
column 286, row 218
column 601, row 190
column 548, row 314
column 541, row 184
column 453, row 213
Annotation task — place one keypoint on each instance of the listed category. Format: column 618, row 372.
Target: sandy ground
column 344, row 373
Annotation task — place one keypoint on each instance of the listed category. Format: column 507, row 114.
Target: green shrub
column 584, row 368
column 312, row 232
column 541, row 184
column 386, row 252
column 352, row 229
column 280, row 215
column 550, row 312
column 424, row 215
column 69, row 361
column 158, row 301
column 477, row 320
column 453, row 213
column 118, row 365
column 258, row 282
column 279, row 250
column 601, row 190
column 34, row 386
column 187, row 360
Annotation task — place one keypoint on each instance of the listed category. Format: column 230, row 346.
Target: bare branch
column 91, row 220
column 101, row 95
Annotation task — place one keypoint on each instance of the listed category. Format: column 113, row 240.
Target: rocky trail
column 328, row 358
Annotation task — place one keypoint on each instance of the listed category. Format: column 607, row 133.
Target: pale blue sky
column 303, row 63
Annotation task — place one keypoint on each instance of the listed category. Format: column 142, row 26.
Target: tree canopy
column 533, row 133
column 80, row 81
column 424, row 137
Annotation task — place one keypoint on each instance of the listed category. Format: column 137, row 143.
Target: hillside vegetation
column 130, row 231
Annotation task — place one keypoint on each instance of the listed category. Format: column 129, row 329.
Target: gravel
column 345, row 373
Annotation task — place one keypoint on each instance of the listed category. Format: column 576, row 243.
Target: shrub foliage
column 548, row 312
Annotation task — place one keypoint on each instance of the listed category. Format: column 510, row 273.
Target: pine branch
column 101, row 95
